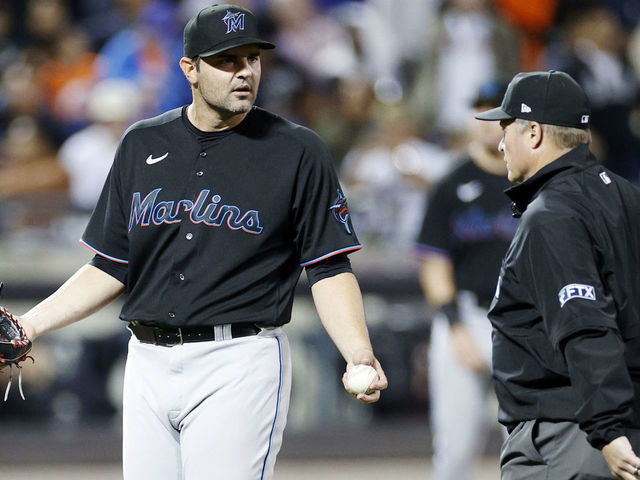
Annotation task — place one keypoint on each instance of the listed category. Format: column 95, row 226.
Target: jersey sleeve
column 322, row 222
column 116, row 270
column 434, row 235
column 107, row 231
column 329, row 267
column 565, row 281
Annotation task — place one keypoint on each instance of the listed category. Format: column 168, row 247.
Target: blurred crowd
column 387, row 83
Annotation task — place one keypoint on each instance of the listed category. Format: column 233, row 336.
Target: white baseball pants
column 211, row 410
column 459, row 397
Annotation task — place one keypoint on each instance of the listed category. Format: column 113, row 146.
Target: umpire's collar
column 523, row 193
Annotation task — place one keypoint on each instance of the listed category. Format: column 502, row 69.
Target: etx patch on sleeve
column 576, row 290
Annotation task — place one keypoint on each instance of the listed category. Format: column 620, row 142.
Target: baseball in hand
column 360, row 378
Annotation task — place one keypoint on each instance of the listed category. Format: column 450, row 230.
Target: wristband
column 450, row 310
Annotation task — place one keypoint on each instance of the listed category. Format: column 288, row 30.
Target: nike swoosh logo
column 151, row 160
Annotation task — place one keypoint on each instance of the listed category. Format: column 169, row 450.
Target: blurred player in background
column 465, row 234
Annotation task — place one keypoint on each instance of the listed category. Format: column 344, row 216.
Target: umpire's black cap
column 552, row 98
column 221, row 27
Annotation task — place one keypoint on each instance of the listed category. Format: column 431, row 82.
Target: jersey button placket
column 200, row 173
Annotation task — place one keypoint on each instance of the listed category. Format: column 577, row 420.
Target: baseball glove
column 14, row 346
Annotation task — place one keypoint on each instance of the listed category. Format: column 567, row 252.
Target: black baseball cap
column 221, row 27
column 552, row 98
column 490, row 93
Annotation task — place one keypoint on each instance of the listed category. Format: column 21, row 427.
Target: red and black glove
column 14, row 344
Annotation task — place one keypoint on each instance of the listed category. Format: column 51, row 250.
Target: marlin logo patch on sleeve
column 341, row 211
column 576, row 290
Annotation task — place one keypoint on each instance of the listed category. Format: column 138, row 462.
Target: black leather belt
column 169, row 337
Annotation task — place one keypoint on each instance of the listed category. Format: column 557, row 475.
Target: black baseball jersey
column 566, row 315
column 216, row 227
column 469, row 220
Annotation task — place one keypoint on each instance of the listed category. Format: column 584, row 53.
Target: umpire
column 566, row 313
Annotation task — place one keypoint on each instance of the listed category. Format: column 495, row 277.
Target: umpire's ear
column 535, row 134
column 190, row 68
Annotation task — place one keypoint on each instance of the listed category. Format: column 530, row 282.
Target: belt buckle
column 180, row 339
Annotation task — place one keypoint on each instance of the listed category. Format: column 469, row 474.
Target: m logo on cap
column 524, row 108
column 233, row 21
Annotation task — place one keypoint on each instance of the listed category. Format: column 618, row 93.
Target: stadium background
column 387, row 84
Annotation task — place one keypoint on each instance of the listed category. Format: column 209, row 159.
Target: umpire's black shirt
column 566, row 313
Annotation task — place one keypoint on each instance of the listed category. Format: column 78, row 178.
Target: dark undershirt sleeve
column 115, row 269
column 328, row 268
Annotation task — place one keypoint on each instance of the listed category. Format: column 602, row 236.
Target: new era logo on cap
column 584, row 119
column 524, row 108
